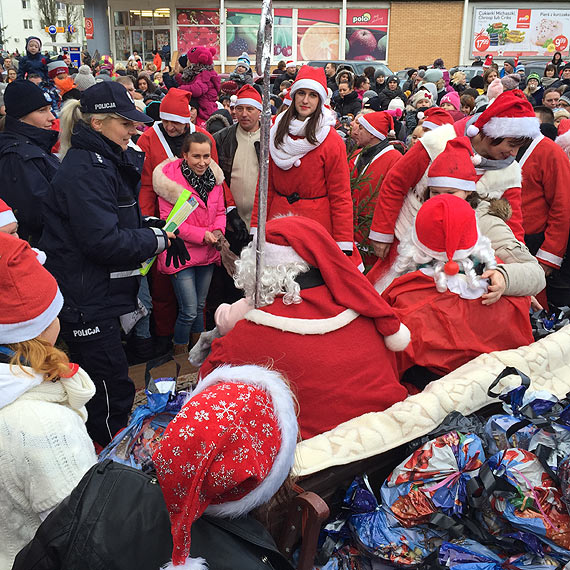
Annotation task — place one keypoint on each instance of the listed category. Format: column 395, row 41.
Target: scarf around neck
column 291, row 150
column 202, row 184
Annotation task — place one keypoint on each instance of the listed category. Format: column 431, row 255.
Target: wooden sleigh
column 375, row 443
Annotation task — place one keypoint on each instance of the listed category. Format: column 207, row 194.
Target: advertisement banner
column 520, row 32
column 198, row 28
column 366, row 34
column 318, row 34
column 89, row 28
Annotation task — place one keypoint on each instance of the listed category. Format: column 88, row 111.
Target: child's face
column 33, row 48
column 466, row 109
column 240, row 69
column 447, row 106
column 62, row 75
column 11, row 229
column 437, row 190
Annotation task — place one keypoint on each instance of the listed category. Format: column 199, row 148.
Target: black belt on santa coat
column 310, row 279
column 292, row 198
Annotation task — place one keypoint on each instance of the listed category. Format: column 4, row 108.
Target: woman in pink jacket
column 197, row 172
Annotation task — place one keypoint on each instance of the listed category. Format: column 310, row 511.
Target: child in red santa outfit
column 308, row 168
column 227, row 452
column 443, row 266
column 495, row 135
column 319, row 316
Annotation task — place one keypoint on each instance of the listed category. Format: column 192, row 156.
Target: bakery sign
column 524, row 32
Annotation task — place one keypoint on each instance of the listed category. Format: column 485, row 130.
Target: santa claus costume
column 402, row 192
column 438, row 295
column 306, row 179
column 322, row 325
column 435, row 117
column 158, row 147
column 228, row 451
column 368, row 168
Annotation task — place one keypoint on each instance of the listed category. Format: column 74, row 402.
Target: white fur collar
column 169, row 189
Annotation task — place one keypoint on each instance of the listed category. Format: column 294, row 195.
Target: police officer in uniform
column 95, row 240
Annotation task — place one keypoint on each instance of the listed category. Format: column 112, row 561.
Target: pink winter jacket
column 168, row 183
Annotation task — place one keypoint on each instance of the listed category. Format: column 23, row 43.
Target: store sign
column 524, row 32
column 366, row 34
column 89, row 29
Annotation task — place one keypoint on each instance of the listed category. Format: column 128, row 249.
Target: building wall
column 423, row 31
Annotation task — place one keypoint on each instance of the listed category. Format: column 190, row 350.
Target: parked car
column 534, row 66
column 355, row 66
column 470, row 72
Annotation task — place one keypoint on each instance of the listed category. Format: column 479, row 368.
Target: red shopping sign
column 89, row 28
column 482, row 42
column 560, row 43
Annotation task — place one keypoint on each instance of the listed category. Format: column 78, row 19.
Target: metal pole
column 223, row 46
column 342, row 39
column 263, row 63
column 464, row 33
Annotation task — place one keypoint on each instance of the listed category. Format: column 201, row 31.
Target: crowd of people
column 402, row 220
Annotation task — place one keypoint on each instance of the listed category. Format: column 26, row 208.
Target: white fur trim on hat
column 503, row 127
column 309, row 84
column 399, row 340
column 458, row 254
column 189, row 564
column 282, row 400
column 7, row 217
column 19, row 332
column 430, row 125
column 281, row 254
column 450, row 182
column 290, row 64
column 249, row 101
column 564, row 141
column 176, row 118
column 362, row 120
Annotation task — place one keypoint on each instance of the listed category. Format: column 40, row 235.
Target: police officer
column 95, row 241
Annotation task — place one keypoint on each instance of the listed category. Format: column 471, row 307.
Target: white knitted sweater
column 44, row 450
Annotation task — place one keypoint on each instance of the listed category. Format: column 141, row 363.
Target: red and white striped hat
column 248, row 95
column 454, row 167
column 175, row 106
column 311, row 78
column 290, row 63
column 6, row 214
column 435, row 117
column 30, row 299
column 379, row 124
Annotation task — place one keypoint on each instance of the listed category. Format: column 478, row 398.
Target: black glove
column 237, row 226
column 177, row 254
column 152, row 222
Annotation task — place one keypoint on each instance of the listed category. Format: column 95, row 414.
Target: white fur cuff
column 398, row 341
column 190, row 564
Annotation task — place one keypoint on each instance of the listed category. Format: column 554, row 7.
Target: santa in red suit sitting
column 321, row 324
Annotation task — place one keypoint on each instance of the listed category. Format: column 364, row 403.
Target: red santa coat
column 323, row 184
column 339, row 367
column 403, row 189
column 546, row 198
column 153, row 143
column 447, row 330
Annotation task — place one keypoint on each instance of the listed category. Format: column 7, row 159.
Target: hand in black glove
column 152, row 222
column 237, row 226
column 177, row 254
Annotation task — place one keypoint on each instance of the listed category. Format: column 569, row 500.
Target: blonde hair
column 41, row 357
column 457, row 77
column 71, row 115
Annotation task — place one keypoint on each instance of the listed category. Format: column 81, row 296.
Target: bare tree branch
column 47, row 10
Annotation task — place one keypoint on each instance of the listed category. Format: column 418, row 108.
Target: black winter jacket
column 278, row 80
column 26, row 169
column 348, row 105
column 93, row 234
column 226, row 145
column 386, row 96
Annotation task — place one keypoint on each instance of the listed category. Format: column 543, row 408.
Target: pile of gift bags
column 478, row 493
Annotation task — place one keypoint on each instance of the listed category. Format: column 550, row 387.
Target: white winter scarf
column 291, row 150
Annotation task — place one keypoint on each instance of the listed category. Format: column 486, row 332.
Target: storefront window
column 122, row 49
column 198, row 28
column 121, row 18
column 162, row 17
column 366, row 34
column 318, row 34
column 241, row 32
column 282, row 34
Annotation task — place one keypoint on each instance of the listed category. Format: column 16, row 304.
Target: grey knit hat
column 84, row 79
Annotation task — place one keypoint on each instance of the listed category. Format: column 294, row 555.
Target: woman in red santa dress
column 321, row 324
column 442, row 297
column 495, row 135
column 308, row 168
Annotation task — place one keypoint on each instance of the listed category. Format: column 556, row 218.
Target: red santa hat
column 510, row 115
column 379, row 124
column 175, row 106
column 295, row 238
column 6, row 214
column 454, row 167
column 290, row 64
column 488, row 62
column 445, row 228
column 56, row 67
column 435, row 117
column 311, row 78
column 30, row 299
column 227, row 451
column 248, row 95
column 563, row 138
column 287, row 98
